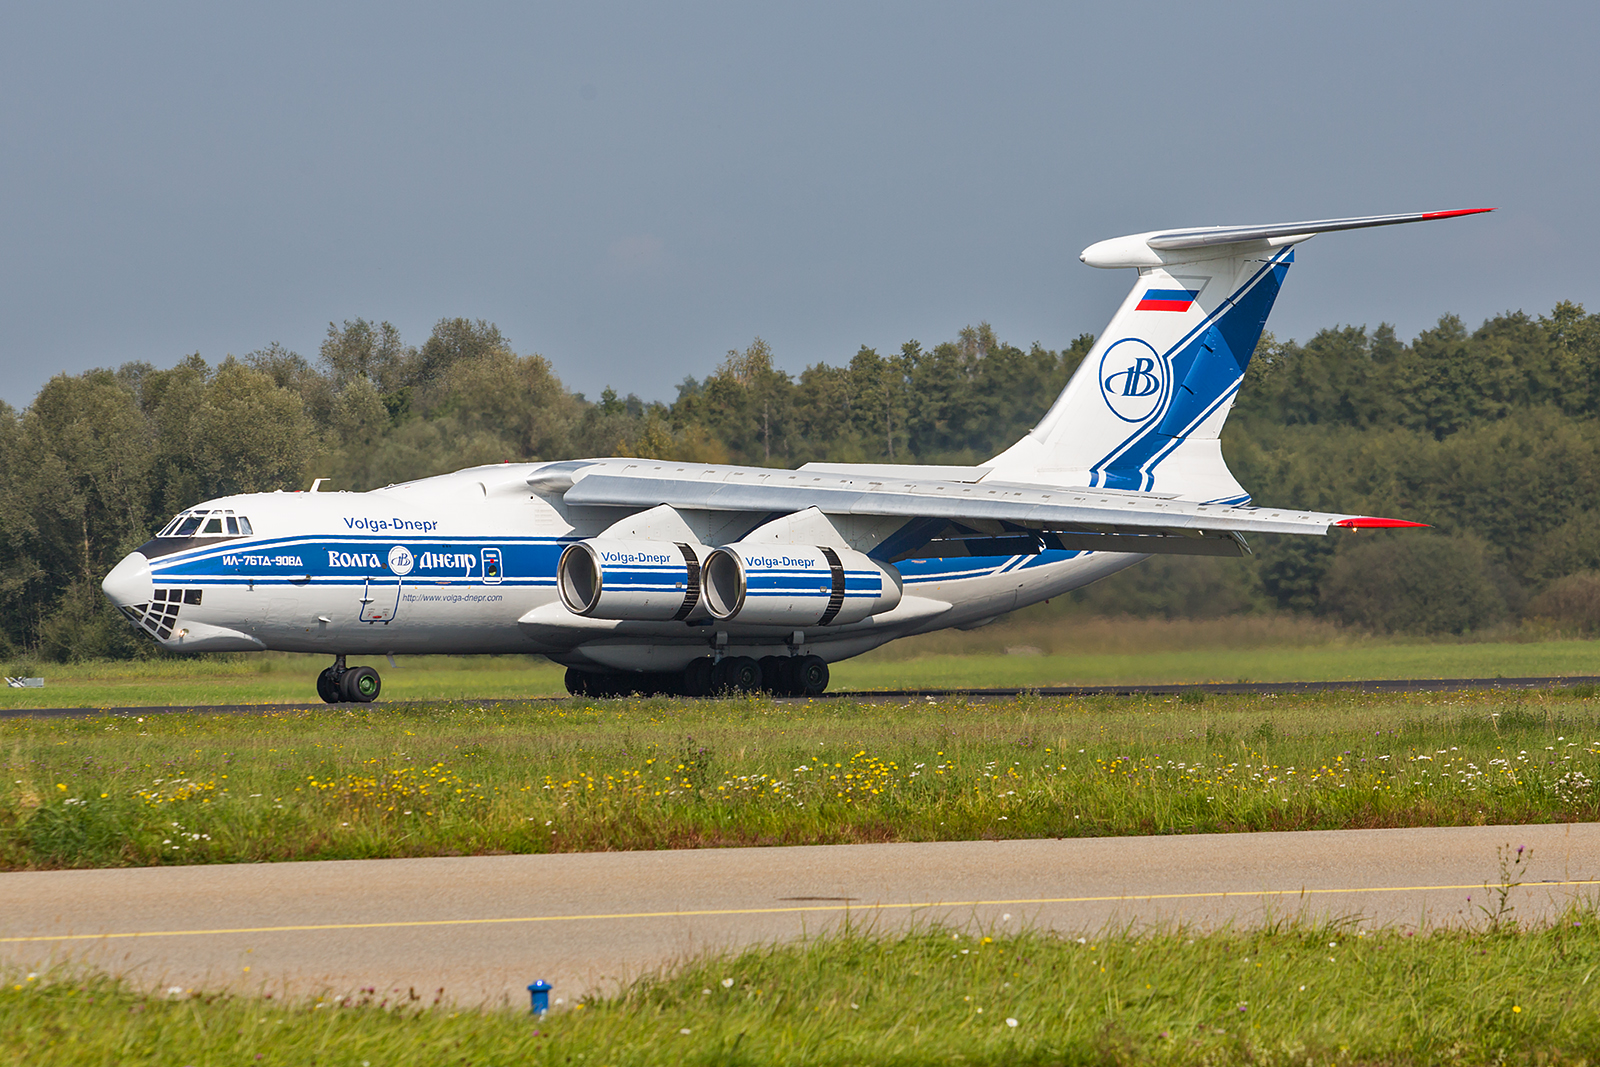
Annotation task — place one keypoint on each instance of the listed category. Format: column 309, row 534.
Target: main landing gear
column 783, row 676
column 348, row 685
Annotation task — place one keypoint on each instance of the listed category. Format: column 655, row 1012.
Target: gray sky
column 633, row 189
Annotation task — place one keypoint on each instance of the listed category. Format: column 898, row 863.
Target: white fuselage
column 466, row 563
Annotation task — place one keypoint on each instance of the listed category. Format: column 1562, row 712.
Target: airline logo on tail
column 1167, row 300
column 1133, row 379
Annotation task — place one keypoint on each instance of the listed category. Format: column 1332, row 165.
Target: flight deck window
column 214, row 526
column 244, row 526
column 190, row 525
column 233, row 525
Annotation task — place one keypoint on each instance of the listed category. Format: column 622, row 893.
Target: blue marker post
column 540, row 992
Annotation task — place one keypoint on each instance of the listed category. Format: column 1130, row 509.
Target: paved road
column 484, row 927
column 1374, row 685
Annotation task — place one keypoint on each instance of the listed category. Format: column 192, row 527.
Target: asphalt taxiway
column 481, row 928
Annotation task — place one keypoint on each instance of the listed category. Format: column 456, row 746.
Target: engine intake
column 797, row 585
column 636, row 580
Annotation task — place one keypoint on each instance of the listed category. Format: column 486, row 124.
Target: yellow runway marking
column 1216, row 895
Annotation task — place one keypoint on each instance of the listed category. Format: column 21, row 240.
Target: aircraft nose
column 129, row 584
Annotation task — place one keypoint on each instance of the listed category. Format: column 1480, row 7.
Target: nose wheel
column 339, row 684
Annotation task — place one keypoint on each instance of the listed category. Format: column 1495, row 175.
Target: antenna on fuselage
column 317, row 482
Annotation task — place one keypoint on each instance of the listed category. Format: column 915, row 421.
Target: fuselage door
column 380, row 599
column 491, row 566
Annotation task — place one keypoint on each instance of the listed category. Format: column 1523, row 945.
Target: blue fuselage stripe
column 356, row 560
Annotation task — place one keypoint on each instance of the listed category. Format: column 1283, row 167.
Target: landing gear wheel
column 743, row 674
column 811, row 675
column 789, row 676
column 328, row 686
column 578, row 682
column 360, row 685
column 697, row 677
column 772, row 675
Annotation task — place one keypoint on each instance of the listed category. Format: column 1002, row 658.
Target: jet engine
column 796, row 585
column 645, row 581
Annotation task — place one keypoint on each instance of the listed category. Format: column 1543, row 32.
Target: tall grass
column 1292, row 992
column 641, row 774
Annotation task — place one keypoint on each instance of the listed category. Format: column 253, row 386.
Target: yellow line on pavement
column 1020, row 902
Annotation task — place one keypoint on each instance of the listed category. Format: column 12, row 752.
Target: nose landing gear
column 339, row 684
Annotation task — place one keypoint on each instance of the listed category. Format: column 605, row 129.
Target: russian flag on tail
column 1167, row 299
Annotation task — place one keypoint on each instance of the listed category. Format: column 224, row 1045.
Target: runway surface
column 482, row 928
column 1377, row 685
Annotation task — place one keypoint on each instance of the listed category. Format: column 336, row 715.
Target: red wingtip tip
column 1458, row 213
column 1371, row 522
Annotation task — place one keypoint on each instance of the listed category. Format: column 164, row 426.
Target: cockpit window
column 207, row 524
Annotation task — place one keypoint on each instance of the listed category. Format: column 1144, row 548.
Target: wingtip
column 1457, row 213
column 1373, row 522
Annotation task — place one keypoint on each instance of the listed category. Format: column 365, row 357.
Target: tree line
column 1491, row 435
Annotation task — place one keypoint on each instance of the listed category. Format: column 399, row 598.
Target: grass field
column 273, row 678
column 585, row 775
column 1030, row 651
column 1290, row 993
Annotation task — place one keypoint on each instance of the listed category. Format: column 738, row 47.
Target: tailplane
column 1145, row 409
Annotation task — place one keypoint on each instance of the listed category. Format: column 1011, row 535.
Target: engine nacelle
column 796, row 585
column 644, row 581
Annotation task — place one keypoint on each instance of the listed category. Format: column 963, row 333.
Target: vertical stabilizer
column 1144, row 412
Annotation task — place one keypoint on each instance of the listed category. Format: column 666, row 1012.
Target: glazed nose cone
column 129, row 584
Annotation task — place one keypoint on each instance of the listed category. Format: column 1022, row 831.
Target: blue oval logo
column 1133, row 380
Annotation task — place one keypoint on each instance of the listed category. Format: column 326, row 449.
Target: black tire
column 328, row 686
column 744, row 674
column 360, row 685
column 697, row 677
column 719, row 676
column 772, row 675
column 792, row 671
column 666, row 683
column 786, row 683
column 578, row 682
column 811, row 676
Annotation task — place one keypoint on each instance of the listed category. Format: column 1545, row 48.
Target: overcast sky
column 633, row 189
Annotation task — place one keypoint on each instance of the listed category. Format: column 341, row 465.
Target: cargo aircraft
column 657, row 576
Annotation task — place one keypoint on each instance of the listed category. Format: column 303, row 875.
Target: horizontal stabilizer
column 1158, row 247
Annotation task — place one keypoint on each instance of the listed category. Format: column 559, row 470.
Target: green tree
column 1413, row 584
column 75, row 498
column 360, row 349
column 747, row 405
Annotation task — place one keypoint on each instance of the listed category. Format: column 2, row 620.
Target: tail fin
column 1145, row 409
